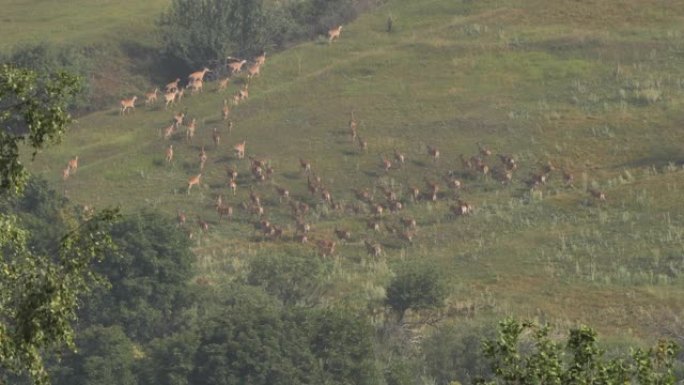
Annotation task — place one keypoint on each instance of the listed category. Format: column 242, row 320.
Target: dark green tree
column 416, row 286
column 148, row 275
column 578, row 361
column 201, row 32
column 105, row 356
column 39, row 289
column 290, row 278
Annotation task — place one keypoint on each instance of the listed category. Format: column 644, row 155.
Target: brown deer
column 151, row 97
column 65, row 173
column 226, row 211
column 373, row 248
column 484, row 151
column 363, row 145
column 169, row 98
column 461, row 208
column 203, row 225
column 598, row 194
column 399, row 157
column 232, row 172
column 223, row 84
column 202, row 158
column 216, row 137
column 261, row 59
column 253, row 70
column 433, row 152
column 225, row 110
column 173, row 86
column 302, row 227
column 73, row 165
column 326, row 247
column 343, row 235
column 190, row 130
column 232, row 184
column 169, row 153
column 195, row 86
column 409, row 223
column 244, row 92
column 466, row 163
column 363, row 195
column 377, row 209
column 373, row 225
column 128, row 104
column 433, row 189
column 194, row 181
column 508, row 162
column 168, row 131
column 198, row 76
column 283, row 193
column 239, row 149
column 178, row 119
column 179, row 95
column 326, row 196
column 305, row 165
column 415, row 193
column 386, row 164
column 407, row 235
column 235, row 65
column 181, row 218
column 334, row 33
column 568, row 178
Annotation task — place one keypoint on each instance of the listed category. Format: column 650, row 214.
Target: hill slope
column 594, row 89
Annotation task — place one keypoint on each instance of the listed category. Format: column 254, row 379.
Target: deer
column 408, row 222
column 300, row 238
column 399, row 157
column 231, row 172
column 219, row 200
column 232, row 184
column 377, row 210
column 433, row 189
column 466, row 163
column 202, row 158
column 198, row 75
column 223, row 84
column 224, row 211
column 568, row 178
column 302, row 227
column 261, row 59
column 181, row 218
column 311, row 186
column 305, row 165
column 334, row 33
column 216, row 137
column 225, row 111
column 190, row 130
column 461, row 208
column 433, row 152
column 239, row 149
column 235, row 65
column 168, row 131
column 194, row 181
column 151, row 97
column 283, row 193
column 503, row 175
column 179, row 95
column 352, row 127
column 169, row 98
column 127, row 104
column 65, row 173
column 326, row 196
column 203, row 225
column 407, row 235
column 395, row 206
column 453, row 183
column 414, row 192
column 363, row 195
column 363, row 145
column 484, row 151
column 195, row 86
column 386, row 164
column 169, row 153
column 253, row 71
column 598, row 194
column 173, row 86
column 73, row 165
column 508, row 162
column 326, row 247
column 244, row 92
column 373, row 225
column 374, row 249
column 343, row 235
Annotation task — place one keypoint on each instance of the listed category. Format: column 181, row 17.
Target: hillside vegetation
column 595, row 88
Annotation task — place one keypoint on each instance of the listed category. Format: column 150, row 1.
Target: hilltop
column 595, row 89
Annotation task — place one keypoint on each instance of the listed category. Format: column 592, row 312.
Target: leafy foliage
column 581, row 362
column 33, row 110
column 416, row 286
column 148, row 276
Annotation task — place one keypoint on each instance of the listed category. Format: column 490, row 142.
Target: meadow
column 596, row 89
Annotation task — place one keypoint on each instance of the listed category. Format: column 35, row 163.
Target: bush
column 416, row 286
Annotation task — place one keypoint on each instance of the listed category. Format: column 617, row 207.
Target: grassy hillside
column 595, row 88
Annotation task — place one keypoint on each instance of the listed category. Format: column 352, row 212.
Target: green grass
column 595, row 88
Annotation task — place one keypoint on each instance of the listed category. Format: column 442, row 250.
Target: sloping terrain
column 595, row 89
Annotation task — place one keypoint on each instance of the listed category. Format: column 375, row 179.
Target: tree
column 416, row 286
column 200, row 32
column 580, row 361
column 292, row 279
column 39, row 289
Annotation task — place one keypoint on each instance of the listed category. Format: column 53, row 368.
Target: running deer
column 508, row 162
column 202, row 158
column 461, row 208
column 433, row 189
column 244, row 92
column 169, row 98
column 168, row 131
column 198, row 76
column 179, row 95
column 326, row 247
column 169, row 153
column 253, row 70
column 173, row 86
column 386, row 164
column 283, row 193
column 433, row 152
column 223, row 84
column 568, row 178
column 203, row 225
column 343, row 235
column 239, row 149
column 232, row 184
column 409, row 222
column 232, row 172
column 195, row 86
column 216, row 137
column 225, row 111
column 415, row 193
column 226, row 211
column 334, row 33
column 73, row 165
column 151, row 97
column 235, row 65
column 598, row 194
column 128, row 104
column 305, row 165
column 261, row 59
column 66, row 173
column 399, row 157
column 373, row 248
column 190, row 130
column 194, row 181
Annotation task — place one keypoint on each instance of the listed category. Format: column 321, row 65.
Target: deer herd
column 378, row 206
